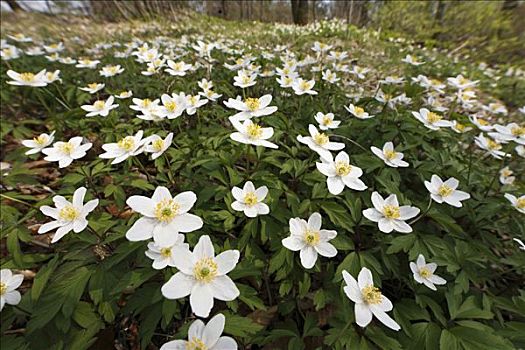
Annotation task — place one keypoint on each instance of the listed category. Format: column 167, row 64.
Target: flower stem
column 423, row 214
column 351, row 141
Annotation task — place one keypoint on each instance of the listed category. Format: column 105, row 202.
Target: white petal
column 178, row 286
column 224, row 289
column 226, row 261
column 363, row 315
column 201, row 300
column 308, row 257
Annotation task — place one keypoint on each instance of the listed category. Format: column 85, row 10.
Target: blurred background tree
column 493, row 30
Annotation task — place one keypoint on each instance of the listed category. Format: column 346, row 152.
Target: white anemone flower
column 162, row 215
column 411, row 60
column 326, row 121
column 249, row 200
column 368, row 299
column 110, row 70
column 244, row 79
column 157, row 145
column 358, row 112
column 93, row 88
column 459, row 127
column 65, row 152
column 68, row 215
column 424, row 273
column 87, row 63
column 509, row 132
column 173, row 106
column 446, row 191
column 126, row 147
column 124, row 94
column 251, row 133
column 251, row 107
column 100, row 107
column 518, row 203
column 163, row 253
column 431, row 120
column 27, row 78
column 481, row 123
column 204, row 337
column 492, row 147
column 389, row 156
column 8, row 285
column 37, row 144
column 310, row 240
column 178, row 68
column 505, row 176
column 301, row 87
column 461, row 83
column 320, row 143
column 202, row 276
column 340, row 173
column 389, row 215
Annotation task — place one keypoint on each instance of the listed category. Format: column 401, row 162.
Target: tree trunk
column 14, row 5
column 300, row 11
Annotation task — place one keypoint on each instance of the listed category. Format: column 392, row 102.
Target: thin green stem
column 351, row 141
column 16, row 200
column 422, row 214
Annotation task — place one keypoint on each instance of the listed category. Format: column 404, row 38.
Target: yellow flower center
column 53, row 46
column 327, row 120
column 250, row 199
column 124, row 94
column 68, row 213
column 321, row 139
column 483, row 122
column 99, row 104
column 518, row 131
column 390, row 154
column 460, row 126
column 166, row 210
column 195, row 344
column 288, row 80
column 425, row 272
column 27, row 77
column 254, row 131
column 93, row 86
column 304, row 85
column 66, row 148
column 41, row 140
column 359, row 110
column 245, row 79
column 445, row 190
column 193, row 100
column 165, row 252
column 521, row 203
column 3, row 288
column 391, row 212
column 205, row 270
column 311, row 237
column 493, row 145
column 158, row 145
column 239, row 61
column 342, row 168
column 19, row 36
column 506, row 172
column 371, row 295
column 433, row 117
column 127, row 143
column 178, row 66
column 146, row 102
column 253, row 104
column 171, row 106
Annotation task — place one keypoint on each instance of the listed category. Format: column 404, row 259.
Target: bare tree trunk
column 314, row 15
column 14, row 5
column 300, row 11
